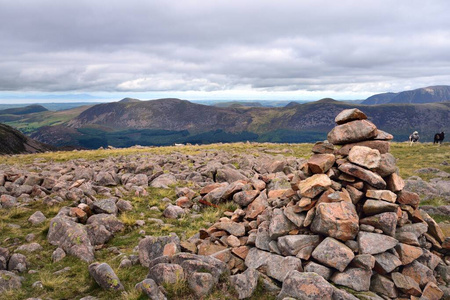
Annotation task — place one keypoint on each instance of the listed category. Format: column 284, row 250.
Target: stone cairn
column 345, row 220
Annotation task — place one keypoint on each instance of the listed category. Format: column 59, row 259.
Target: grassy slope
column 76, row 283
column 30, row 122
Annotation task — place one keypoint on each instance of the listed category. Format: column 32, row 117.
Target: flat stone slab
column 348, row 115
column 374, row 243
column 382, row 146
column 353, row 131
column 368, row 176
column 365, row 157
column 385, row 195
column 314, row 185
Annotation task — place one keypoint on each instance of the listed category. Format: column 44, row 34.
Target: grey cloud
column 133, row 46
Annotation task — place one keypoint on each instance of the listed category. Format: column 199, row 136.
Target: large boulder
column 152, row 247
column 105, row 206
column 71, row 237
column 106, row 178
column 164, row 181
column 9, row 281
column 111, row 222
column 166, row 273
column 201, row 283
column 275, row 266
column 279, row 224
column 229, row 175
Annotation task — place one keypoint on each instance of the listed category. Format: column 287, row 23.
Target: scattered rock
column 151, row 289
column 105, row 277
column 305, row 285
column 37, row 218
column 245, row 283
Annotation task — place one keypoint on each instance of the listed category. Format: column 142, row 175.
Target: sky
column 220, row 49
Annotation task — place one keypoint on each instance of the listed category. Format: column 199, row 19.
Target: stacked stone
column 346, row 220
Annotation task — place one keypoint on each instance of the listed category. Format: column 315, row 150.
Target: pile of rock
column 345, row 219
column 78, row 230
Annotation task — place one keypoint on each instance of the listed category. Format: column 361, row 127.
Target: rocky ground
column 216, row 224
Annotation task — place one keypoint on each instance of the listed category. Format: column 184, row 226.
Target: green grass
column 437, row 201
column 422, row 155
column 440, row 218
column 299, row 150
column 31, row 122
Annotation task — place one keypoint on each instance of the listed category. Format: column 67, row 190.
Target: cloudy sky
column 221, row 49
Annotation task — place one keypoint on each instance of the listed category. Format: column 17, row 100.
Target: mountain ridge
column 430, row 94
column 34, row 108
column 169, row 121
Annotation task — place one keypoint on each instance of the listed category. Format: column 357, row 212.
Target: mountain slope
column 169, row 121
column 379, row 98
column 23, row 110
column 431, row 94
column 14, row 142
column 168, row 114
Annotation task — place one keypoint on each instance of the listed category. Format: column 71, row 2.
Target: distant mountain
column 431, row 94
column 23, row 110
column 168, row 114
column 53, row 106
column 14, row 142
column 169, row 121
column 129, row 100
column 238, row 104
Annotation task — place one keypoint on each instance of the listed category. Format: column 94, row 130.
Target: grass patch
column 422, row 155
column 434, row 202
column 51, row 281
column 440, row 218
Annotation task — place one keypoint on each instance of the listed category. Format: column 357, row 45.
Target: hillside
column 431, row 94
column 29, row 123
column 23, row 110
column 168, row 114
column 14, row 142
column 169, row 121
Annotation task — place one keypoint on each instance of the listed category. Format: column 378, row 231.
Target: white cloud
column 349, row 48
